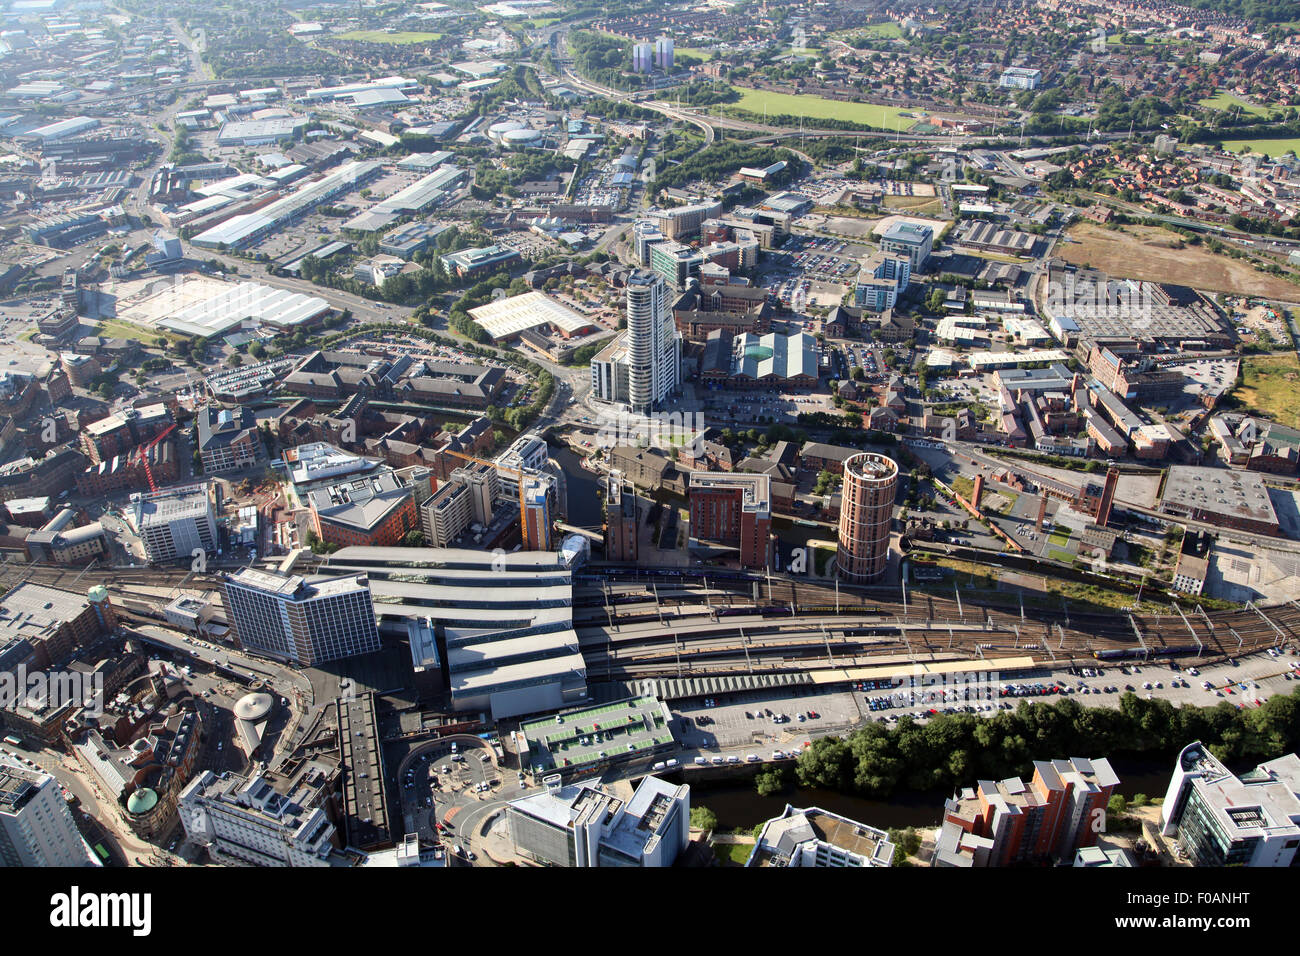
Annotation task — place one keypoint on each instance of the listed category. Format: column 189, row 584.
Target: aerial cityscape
column 706, row 434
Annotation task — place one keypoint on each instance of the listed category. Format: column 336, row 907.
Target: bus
column 14, row 741
column 102, row 853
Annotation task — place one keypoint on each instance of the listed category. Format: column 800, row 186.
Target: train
column 1138, row 653
column 767, row 610
column 842, row 609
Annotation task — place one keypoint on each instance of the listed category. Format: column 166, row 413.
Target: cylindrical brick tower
column 866, row 510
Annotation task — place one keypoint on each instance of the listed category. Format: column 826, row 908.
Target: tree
column 772, row 781
column 702, row 818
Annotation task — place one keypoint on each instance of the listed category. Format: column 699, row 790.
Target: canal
column 582, row 490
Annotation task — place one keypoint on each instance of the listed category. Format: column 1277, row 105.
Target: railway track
column 644, row 636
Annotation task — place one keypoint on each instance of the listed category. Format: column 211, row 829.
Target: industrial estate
column 694, row 434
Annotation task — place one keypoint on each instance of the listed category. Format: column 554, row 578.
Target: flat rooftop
column 567, row 740
column 1242, row 494
column 506, row 318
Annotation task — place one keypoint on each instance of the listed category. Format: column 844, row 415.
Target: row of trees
column 951, row 751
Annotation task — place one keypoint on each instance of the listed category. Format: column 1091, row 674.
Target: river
column 739, row 807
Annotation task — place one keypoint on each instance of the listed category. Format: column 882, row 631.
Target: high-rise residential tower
column 866, row 510
column 654, row 346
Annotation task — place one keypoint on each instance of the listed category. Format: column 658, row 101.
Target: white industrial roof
column 508, row 317
column 245, row 300
column 239, row 228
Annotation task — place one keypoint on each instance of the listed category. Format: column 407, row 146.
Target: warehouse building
column 507, row 319
column 249, row 228
column 1230, row 499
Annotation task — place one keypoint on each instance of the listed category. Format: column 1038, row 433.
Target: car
column 717, row 760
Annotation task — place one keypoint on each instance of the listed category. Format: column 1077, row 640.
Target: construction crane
column 144, row 450
column 523, row 508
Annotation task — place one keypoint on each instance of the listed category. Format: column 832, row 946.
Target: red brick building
column 733, row 509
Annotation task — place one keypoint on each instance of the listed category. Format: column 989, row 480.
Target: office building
column 816, row 837
column 446, row 513
column 582, row 825
column 44, row 626
column 621, row 530
column 884, row 277
column 645, row 233
column 228, row 439
column 374, row 509
column 909, row 239
column 36, row 825
column 249, row 822
column 866, row 513
column 735, row 510
column 175, row 523
column 306, row 622
column 1221, row 819
column 476, row 263
column 685, row 221
column 1004, row 822
column 1019, row 78
column 677, row 263
column 122, row 431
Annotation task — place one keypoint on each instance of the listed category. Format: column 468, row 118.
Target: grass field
column 1073, row 591
column 395, row 39
column 704, row 55
column 1271, row 386
column 815, row 108
column 920, row 205
column 733, row 854
column 118, row 328
column 1152, row 253
column 1272, row 148
column 890, row 31
column 1224, row 101
column 1059, row 538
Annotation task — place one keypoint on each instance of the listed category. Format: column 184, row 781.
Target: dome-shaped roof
column 522, row 135
column 253, row 706
column 97, row 593
column 141, row 801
